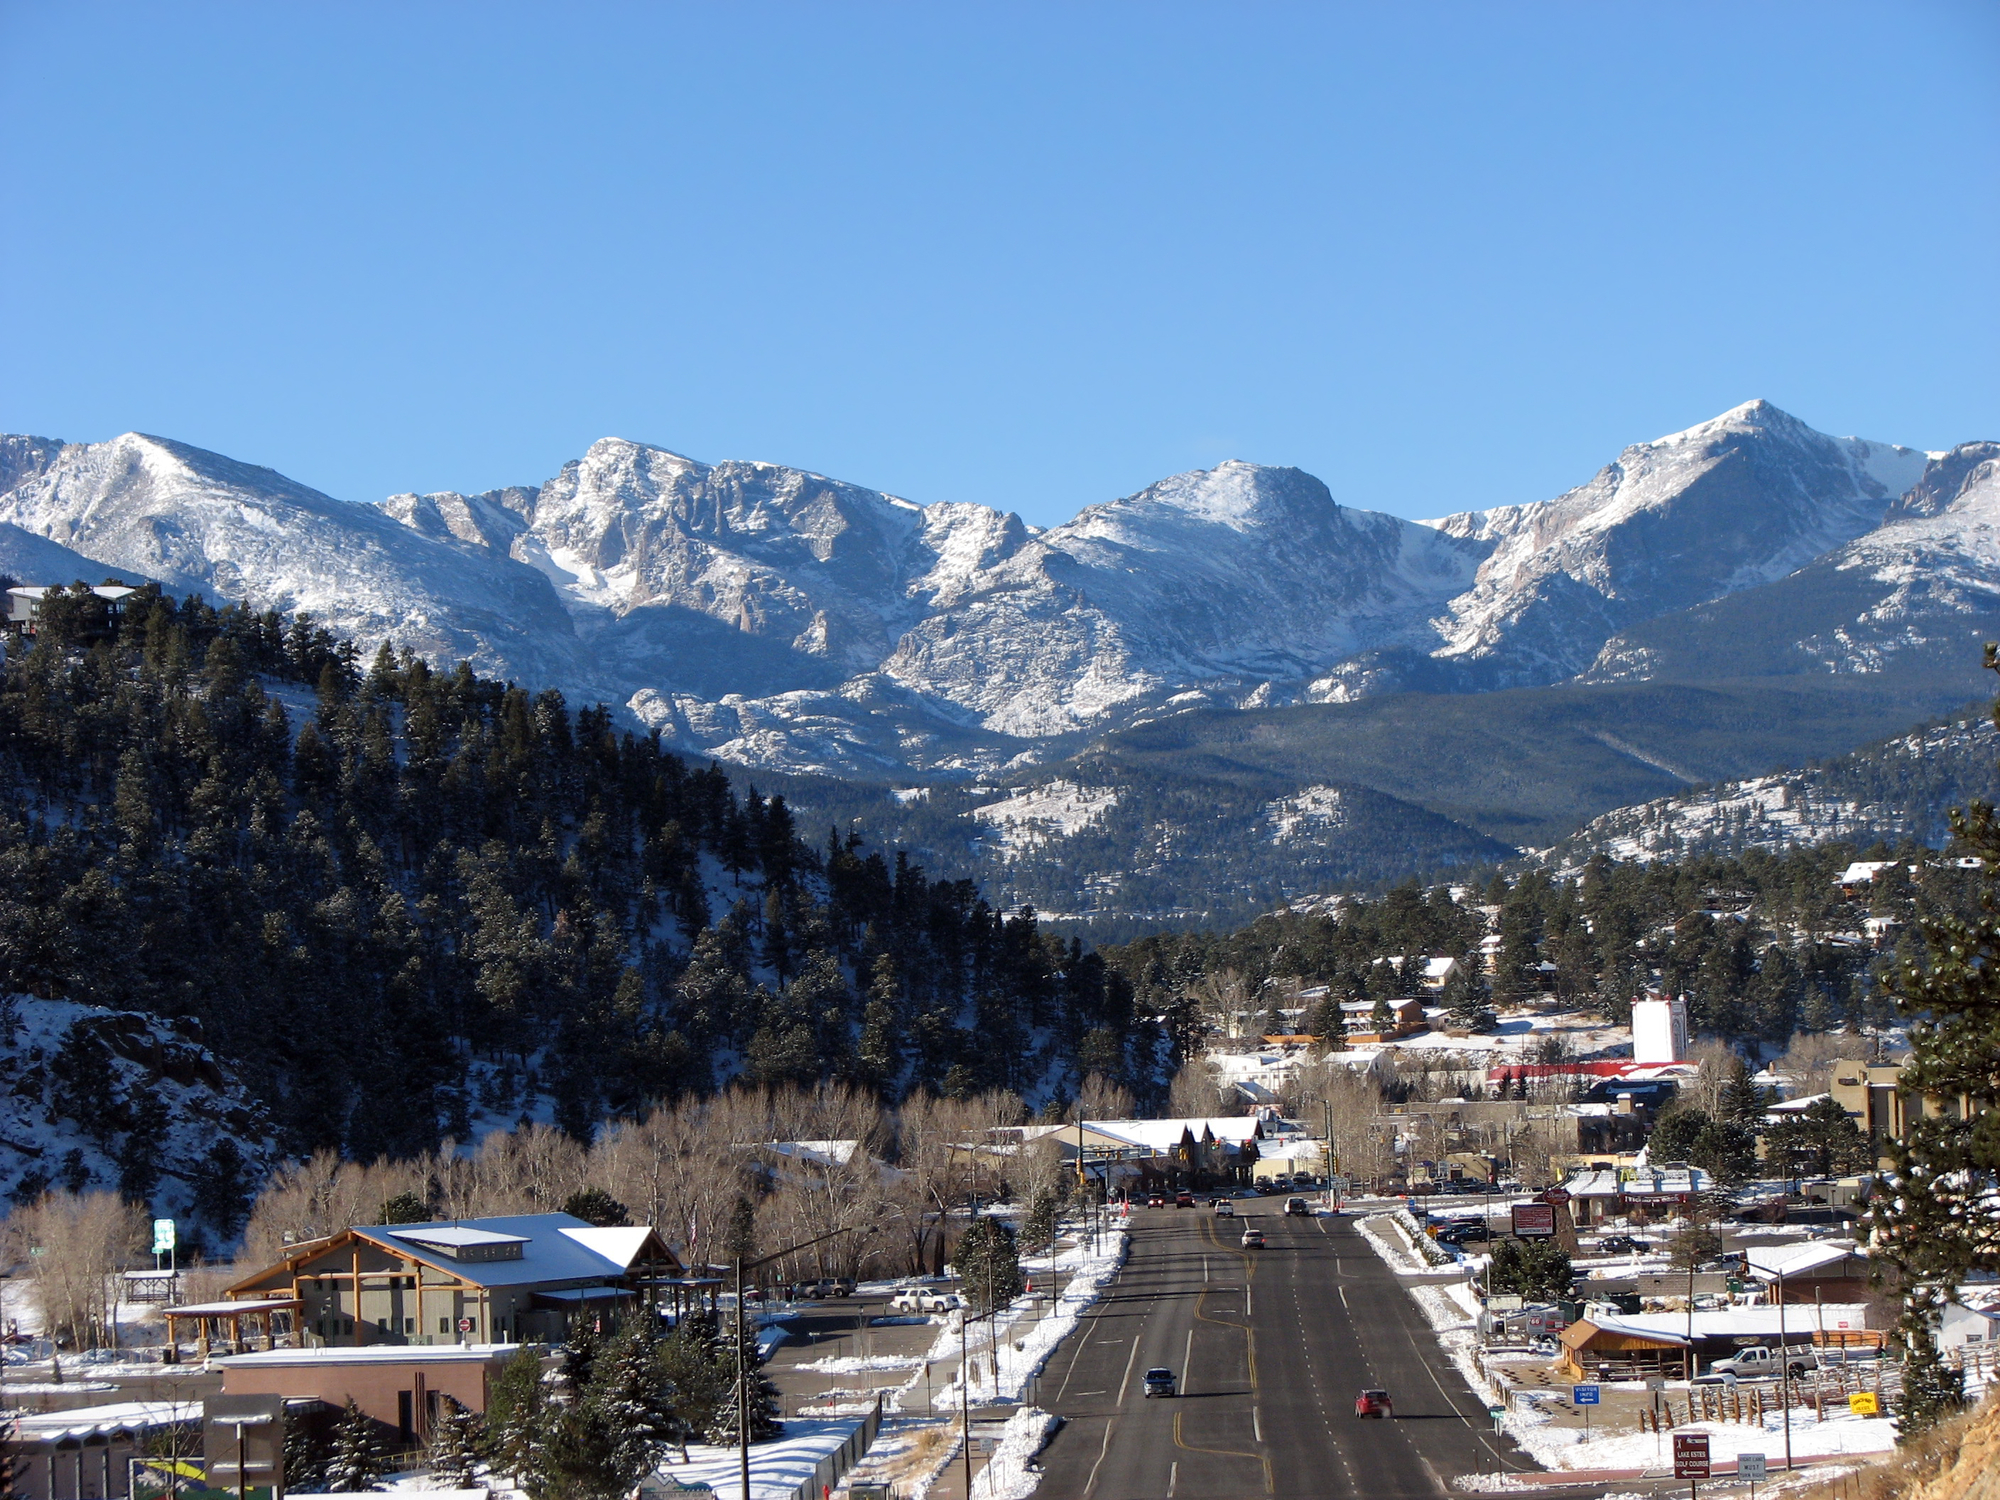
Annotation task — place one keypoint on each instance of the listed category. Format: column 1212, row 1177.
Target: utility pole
column 742, row 1359
column 1785, row 1370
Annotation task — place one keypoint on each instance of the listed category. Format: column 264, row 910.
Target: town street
column 1271, row 1347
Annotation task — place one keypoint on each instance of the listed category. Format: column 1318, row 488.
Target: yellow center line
column 1249, row 1353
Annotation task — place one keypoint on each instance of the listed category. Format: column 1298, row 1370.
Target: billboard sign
column 1534, row 1221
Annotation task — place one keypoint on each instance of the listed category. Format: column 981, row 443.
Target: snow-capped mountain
column 777, row 617
column 1916, row 595
column 1740, row 501
column 199, row 522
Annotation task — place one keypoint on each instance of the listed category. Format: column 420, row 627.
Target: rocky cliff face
column 778, row 617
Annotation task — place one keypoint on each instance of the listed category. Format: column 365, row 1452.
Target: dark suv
column 1298, row 1207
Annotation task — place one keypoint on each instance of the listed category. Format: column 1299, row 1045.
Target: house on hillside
column 1407, row 1019
column 500, row 1280
column 23, row 611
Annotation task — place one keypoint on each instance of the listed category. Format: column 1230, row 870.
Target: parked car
column 1298, row 1208
column 923, row 1300
column 1373, row 1404
column 1184, row 1199
column 1715, row 1377
column 1253, row 1239
column 1622, row 1244
column 1156, row 1200
column 1762, row 1362
column 1159, row 1381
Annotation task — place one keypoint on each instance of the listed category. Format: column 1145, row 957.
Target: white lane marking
column 1187, row 1361
column 1343, row 1298
column 1204, row 1268
column 1173, row 1478
column 1091, row 1482
column 1130, row 1360
column 1257, row 1422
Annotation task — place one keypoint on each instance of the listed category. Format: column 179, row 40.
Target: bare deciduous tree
column 75, row 1245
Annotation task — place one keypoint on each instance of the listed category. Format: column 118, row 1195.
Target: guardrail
column 833, row 1468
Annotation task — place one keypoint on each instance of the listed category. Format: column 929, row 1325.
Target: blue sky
column 1443, row 256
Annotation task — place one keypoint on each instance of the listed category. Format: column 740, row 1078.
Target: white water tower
column 1660, row 1029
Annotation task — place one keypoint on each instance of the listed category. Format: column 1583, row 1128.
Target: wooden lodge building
column 514, row 1279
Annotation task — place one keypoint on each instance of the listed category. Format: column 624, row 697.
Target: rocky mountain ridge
column 778, row 618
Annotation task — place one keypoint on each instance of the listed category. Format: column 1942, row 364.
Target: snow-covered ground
column 1034, row 815
column 1452, row 1311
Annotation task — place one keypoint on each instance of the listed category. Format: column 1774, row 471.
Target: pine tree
column 988, row 1264
column 457, row 1446
column 305, row 1458
column 516, row 1415
column 762, row 1394
column 1933, row 1220
column 1740, row 1100
column 356, row 1461
column 631, row 1394
column 694, row 1362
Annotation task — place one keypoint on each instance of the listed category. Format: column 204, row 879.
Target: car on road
column 1622, row 1244
column 1298, row 1208
column 1184, row 1199
column 920, row 1300
column 1373, row 1404
column 1156, row 1200
column 1159, row 1381
column 1464, row 1234
column 827, row 1286
column 1253, row 1239
column 1224, row 1209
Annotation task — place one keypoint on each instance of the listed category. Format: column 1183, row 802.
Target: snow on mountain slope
column 1902, row 788
column 1917, row 594
column 1728, row 505
column 106, row 1098
column 778, row 617
column 204, row 523
column 1241, row 573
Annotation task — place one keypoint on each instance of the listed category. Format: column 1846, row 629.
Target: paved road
column 1271, row 1346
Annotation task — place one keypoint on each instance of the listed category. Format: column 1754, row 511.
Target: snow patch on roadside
column 1007, row 1475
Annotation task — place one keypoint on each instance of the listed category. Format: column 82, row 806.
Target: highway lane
column 1271, row 1346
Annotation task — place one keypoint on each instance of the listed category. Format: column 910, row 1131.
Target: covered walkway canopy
column 232, row 1313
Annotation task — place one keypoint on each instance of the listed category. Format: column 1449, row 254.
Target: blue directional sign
column 1583, row 1395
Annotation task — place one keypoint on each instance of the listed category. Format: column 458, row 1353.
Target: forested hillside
column 1764, row 945
column 400, row 903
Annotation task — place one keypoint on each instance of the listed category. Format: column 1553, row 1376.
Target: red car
column 1183, row 1200
column 1157, row 1200
column 1373, row 1404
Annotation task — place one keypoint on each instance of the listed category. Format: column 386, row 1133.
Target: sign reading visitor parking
column 1690, row 1455
column 1750, row 1466
column 163, row 1236
column 1583, row 1395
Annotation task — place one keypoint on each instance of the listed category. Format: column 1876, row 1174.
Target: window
column 444, row 1325
column 409, row 1325
column 382, row 1325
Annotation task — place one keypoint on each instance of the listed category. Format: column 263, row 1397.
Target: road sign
column 1690, row 1455
column 465, row 1325
column 1556, row 1196
column 1499, row 1416
column 163, row 1236
column 1583, row 1395
column 1864, row 1404
column 1750, row 1466
column 1656, row 1384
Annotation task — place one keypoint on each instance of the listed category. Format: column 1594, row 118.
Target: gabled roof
column 1769, row 1262
column 623, row 1245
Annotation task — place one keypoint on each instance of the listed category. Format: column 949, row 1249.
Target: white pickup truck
column 1762, row 1361
column 920, row 1300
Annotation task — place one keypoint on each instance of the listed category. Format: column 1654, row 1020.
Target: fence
column 1749, row 1403
column 831, row 1469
